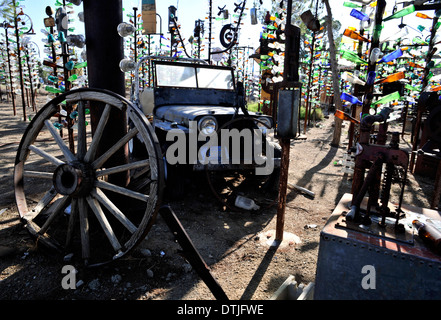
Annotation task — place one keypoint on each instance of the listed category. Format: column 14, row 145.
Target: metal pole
column 136, row 34
column 160, row 32
column 308, row 91
column 30, row 80
column 9, row 67
column 210, row 24
column 20, row 69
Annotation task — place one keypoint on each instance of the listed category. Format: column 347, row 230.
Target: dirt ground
column 235, row 245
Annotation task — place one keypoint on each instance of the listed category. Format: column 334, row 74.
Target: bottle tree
column 10, row 65
column 64, row 64
column 20, row 23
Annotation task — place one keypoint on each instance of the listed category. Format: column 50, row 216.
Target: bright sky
column 188, row 11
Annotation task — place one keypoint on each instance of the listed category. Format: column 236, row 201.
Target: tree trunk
column 335, row 80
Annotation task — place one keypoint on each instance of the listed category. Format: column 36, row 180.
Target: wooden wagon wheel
column 24, row 23
column 62, row 187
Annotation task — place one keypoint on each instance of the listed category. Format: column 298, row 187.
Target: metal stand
column 190, row 252
column 399, row 265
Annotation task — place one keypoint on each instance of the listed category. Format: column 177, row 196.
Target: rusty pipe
column 353, row 214
column 367, row 122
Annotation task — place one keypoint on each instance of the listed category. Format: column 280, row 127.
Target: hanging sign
column 149, row 16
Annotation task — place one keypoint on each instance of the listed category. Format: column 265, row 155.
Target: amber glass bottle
column 429, row 234
column 392, row 78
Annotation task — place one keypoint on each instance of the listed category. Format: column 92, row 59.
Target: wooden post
column 283, row 181
column 290, row 76
column 104, row 52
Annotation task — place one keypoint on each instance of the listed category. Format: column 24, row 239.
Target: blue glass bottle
column 349, row 98
column 391, row 56
column 359, row 15
column 371, row 77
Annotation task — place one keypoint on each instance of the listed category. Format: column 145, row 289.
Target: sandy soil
column 235, row 245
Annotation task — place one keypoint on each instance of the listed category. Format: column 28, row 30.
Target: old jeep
column 200, row 117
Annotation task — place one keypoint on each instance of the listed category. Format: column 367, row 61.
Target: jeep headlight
column 207, row 125
column 264, row 124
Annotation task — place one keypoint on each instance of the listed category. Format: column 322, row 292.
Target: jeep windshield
column 193, row 76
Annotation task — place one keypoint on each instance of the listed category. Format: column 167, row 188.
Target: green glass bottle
column 53, row 90
column 72, row 78
column 411, row 88
column 351, row 5
column 80, row 65
column 352, row 57
column 388, row 98
column 403, row 12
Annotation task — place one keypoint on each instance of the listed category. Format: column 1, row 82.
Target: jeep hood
column 184, row 114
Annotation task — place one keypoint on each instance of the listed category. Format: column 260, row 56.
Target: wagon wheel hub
column 74, row 179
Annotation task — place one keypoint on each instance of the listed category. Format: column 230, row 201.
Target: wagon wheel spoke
column 122, row 168
column 84, row 229
column 63, row 147
column 90, row 154
column 96, row 208
column 53, row 211
column 82, row 146
column 46, row 155
column 103, row 199
column 57, row 176
column 38, row 174
column 144, row 170
column 122, row 190
column 72, row 220
column 106, row 155
column 45, row 200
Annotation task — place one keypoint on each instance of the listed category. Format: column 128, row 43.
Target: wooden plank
column 287, row 290
column 301, row 189
column 307, row 293
column 96, row 208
